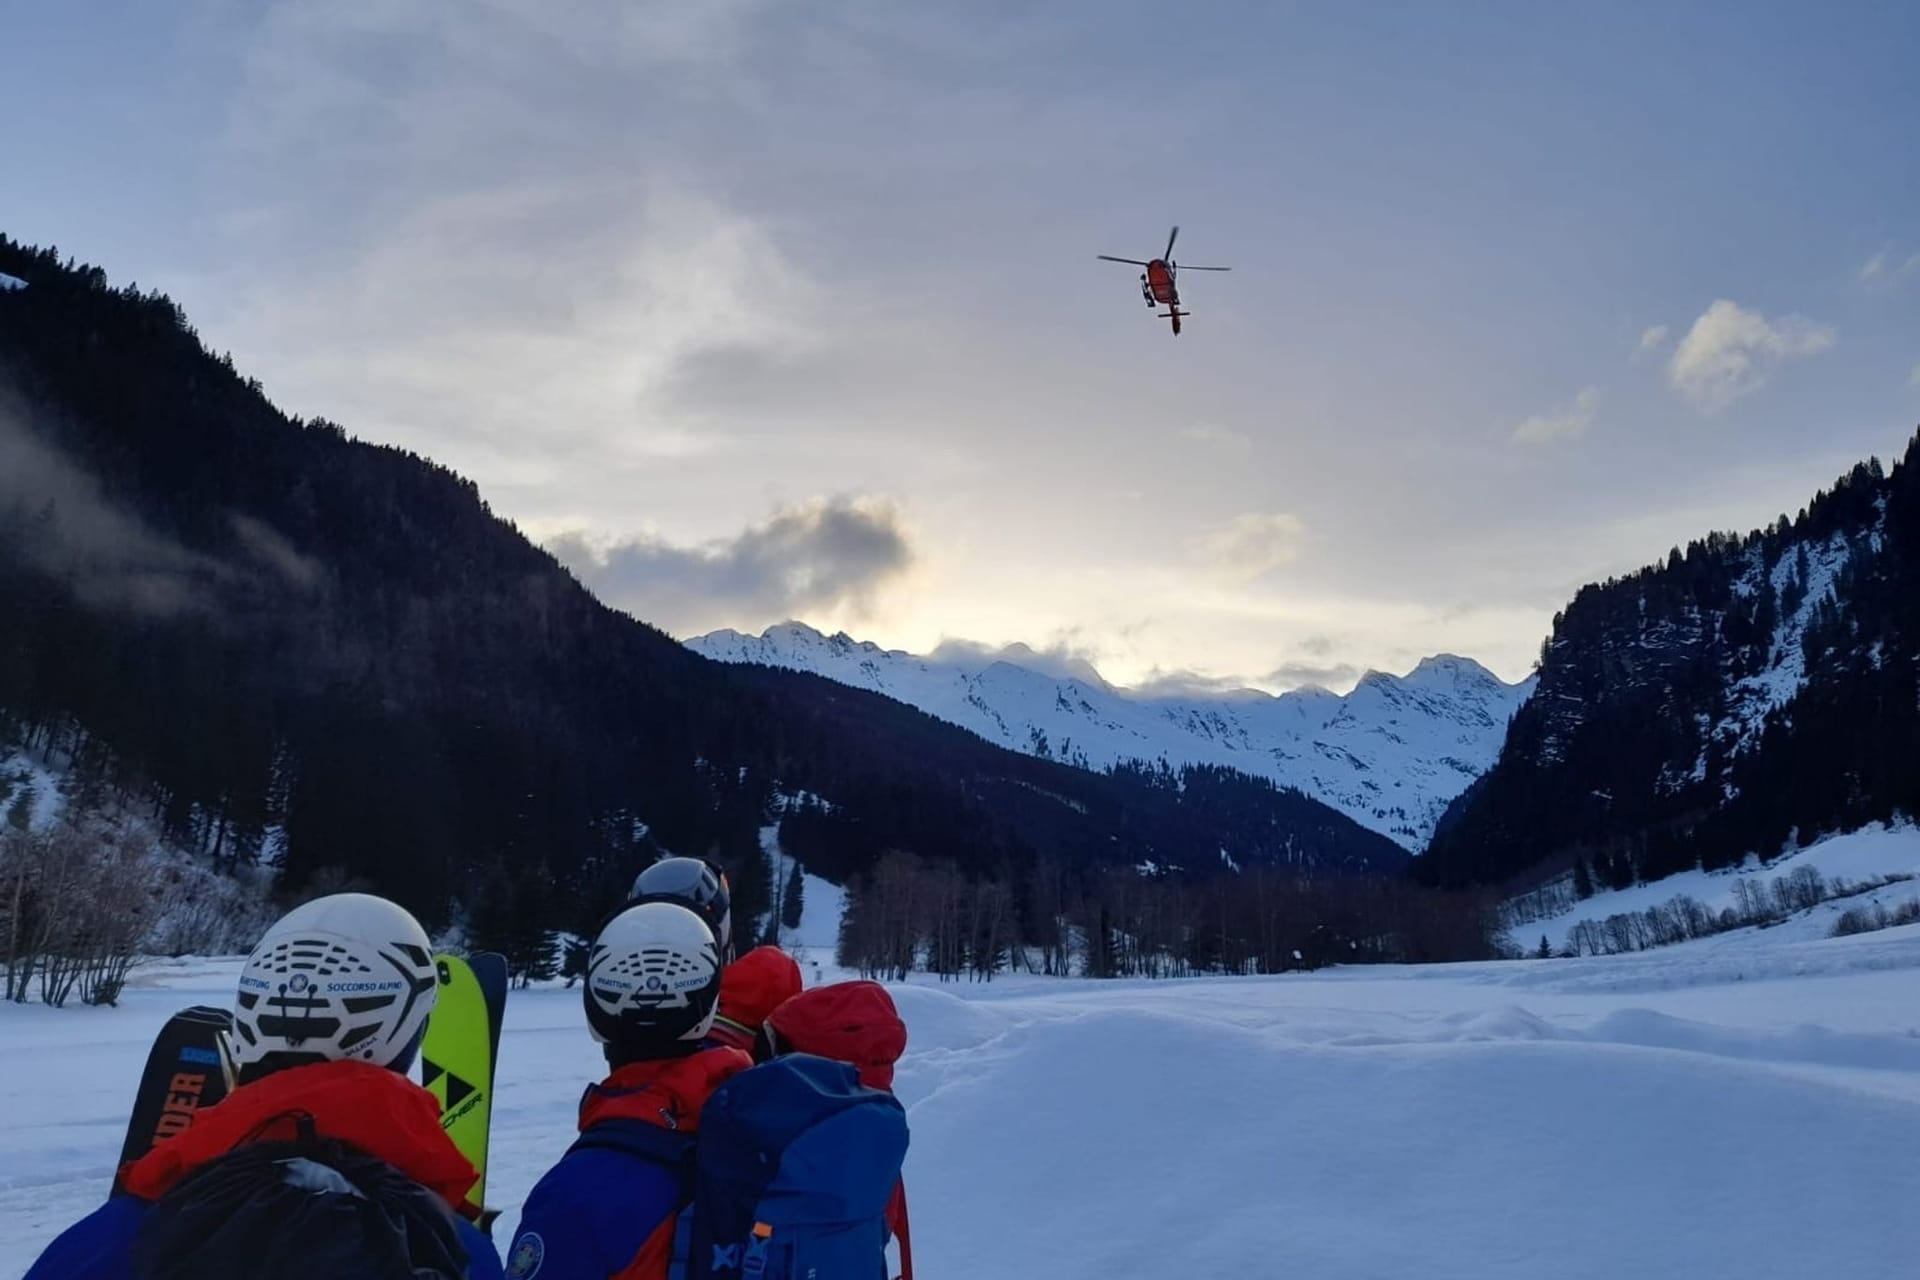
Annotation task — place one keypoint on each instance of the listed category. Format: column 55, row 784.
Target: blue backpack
column 788, row 1177
column 794, row 1165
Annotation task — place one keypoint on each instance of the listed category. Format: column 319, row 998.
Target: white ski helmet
column 653, row 981
column 695, row 883
column 345, row 976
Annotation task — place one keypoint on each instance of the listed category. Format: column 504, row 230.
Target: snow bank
column 9, row 283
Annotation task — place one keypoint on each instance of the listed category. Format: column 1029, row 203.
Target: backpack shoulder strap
column 902, row 1230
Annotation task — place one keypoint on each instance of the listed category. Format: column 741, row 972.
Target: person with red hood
column 326, row 1160
column 609, row 1208
column 751, row 988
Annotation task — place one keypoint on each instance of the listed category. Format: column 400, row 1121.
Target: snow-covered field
column 1742, row 1107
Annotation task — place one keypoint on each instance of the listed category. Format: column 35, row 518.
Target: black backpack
column 315, row 1209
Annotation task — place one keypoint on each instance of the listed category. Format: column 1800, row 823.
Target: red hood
column 669, row 1092
column 852, row 1022
column 752, row 987
column 370, row 1108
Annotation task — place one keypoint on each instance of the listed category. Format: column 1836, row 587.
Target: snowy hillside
column 1744, row 1110
column 170, row 897
column 1391, row 754
column 31, row 797
column 1861, row 858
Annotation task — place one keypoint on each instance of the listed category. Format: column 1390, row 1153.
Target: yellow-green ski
column 457, row 1058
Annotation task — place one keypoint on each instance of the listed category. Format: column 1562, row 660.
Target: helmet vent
column 324, row 987
column 318, row 956
column 664, row 962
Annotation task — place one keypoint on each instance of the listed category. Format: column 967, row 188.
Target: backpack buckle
column 757, row 1248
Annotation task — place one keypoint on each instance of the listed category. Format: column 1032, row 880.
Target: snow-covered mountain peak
column 1391, row 754
column 1451, row 669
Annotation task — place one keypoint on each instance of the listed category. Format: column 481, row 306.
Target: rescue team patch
column 529, row 1251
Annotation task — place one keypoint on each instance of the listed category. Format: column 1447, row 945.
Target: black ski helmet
column 653, row 982
column 695, row 883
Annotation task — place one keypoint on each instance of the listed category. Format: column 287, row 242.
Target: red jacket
column 378, row 1111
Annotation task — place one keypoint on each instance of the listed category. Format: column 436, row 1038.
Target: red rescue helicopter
column 1157, row 281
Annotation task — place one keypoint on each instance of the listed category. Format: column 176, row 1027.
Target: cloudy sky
column 765, row 310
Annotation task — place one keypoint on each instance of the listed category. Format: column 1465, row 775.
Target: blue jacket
column 100, row 1246
column 592, row 1216
column 611, row 1206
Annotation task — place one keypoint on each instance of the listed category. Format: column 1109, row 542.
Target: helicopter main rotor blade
column 1184, row 267
column 1132, row 262
column 1175, row 235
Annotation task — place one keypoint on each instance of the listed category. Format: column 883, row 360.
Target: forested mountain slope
column 1749, row 692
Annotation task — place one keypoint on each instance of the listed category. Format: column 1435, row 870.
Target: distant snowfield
column 1859, row 856
column 1746, row 1107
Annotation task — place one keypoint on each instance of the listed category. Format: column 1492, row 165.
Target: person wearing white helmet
column 345, row 978
column 753, row 984
column 326, row 1160
column 609, row 1207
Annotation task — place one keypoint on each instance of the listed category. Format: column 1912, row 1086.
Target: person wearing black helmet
column 609, row 1207
column 696, row 884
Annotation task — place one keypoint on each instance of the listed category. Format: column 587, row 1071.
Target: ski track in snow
column 1743, row 1106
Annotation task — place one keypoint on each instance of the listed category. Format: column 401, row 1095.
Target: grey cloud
column 1889, row 267
column 1212, row 433
column 265, row 544
column 732, row 377
column 1293, row 674
column 1189, row 684
column 1730, row 350
column 66, row 527
column 1058, row 660
column 816, row 556
column 1290, row 675
column 1565, row 422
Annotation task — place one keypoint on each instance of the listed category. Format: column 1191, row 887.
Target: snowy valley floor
column 1744, row 1107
